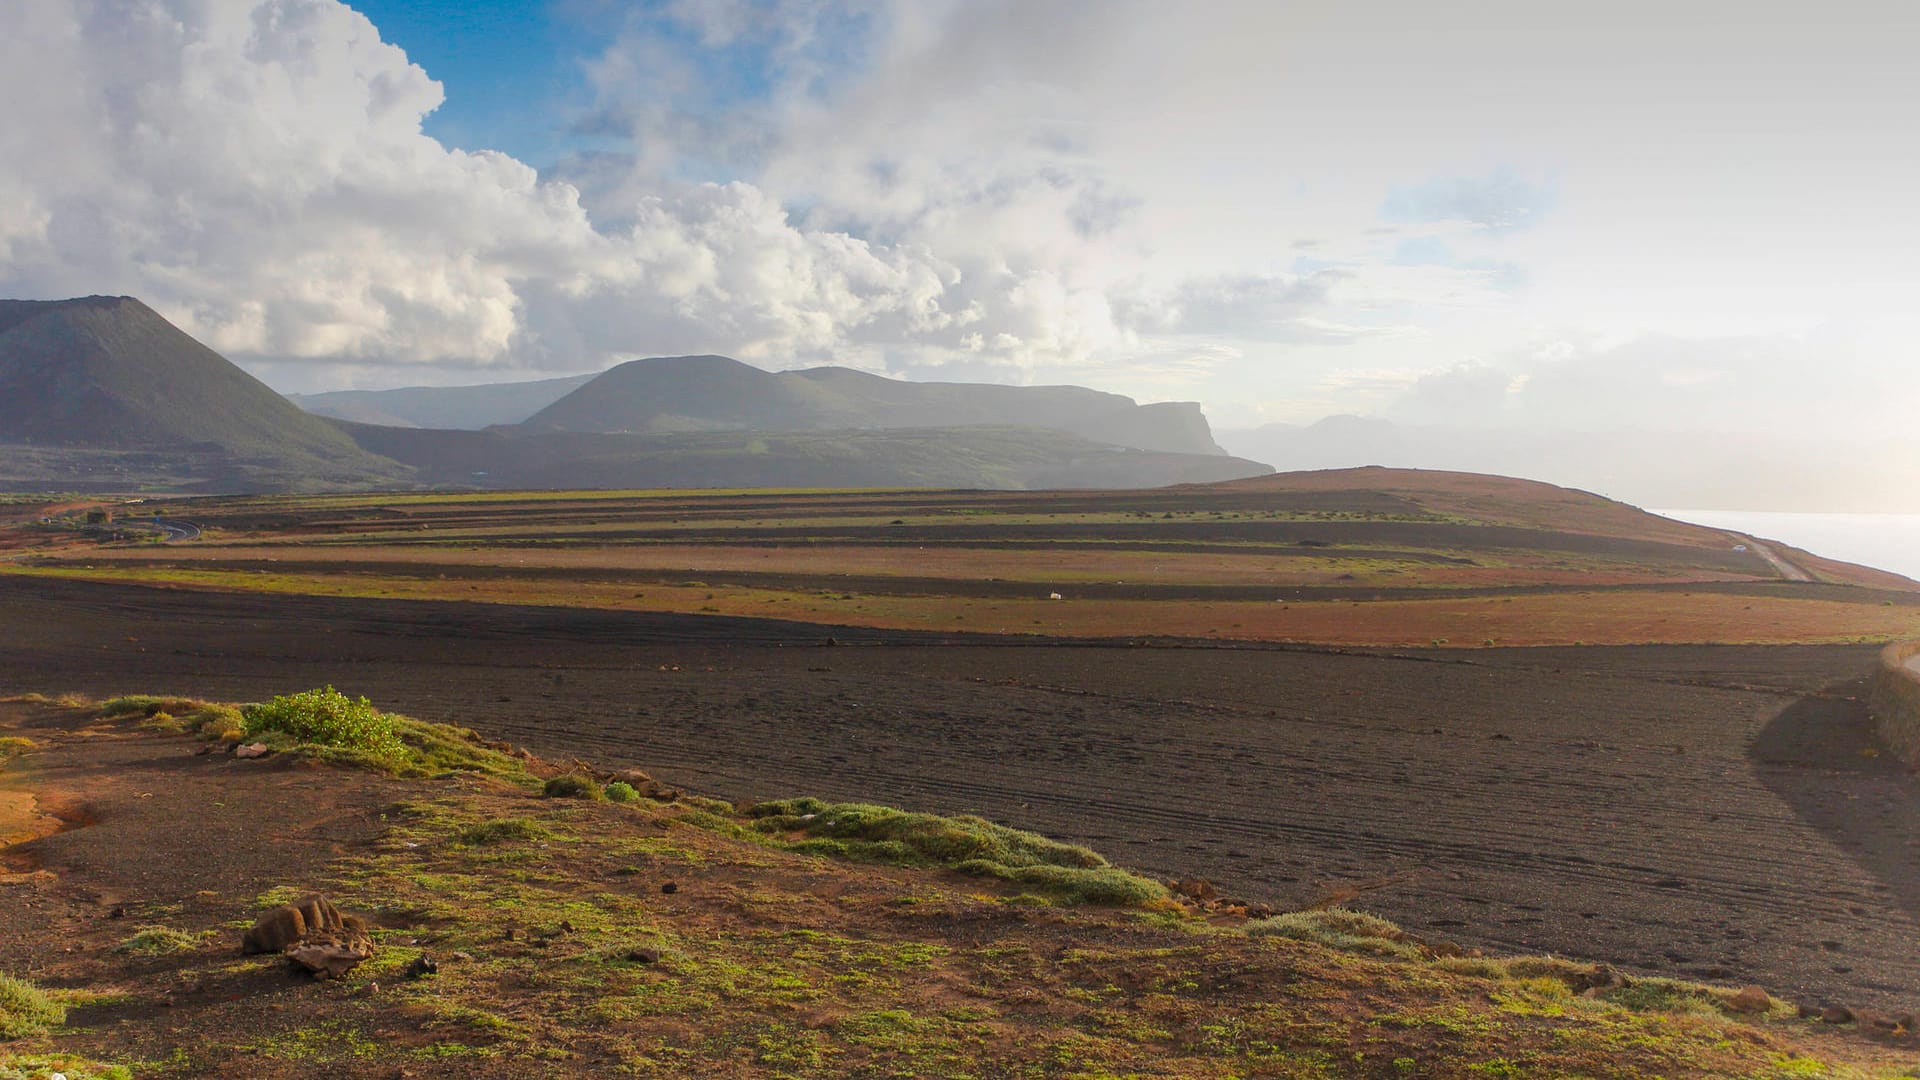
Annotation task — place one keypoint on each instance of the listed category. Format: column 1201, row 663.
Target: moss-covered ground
column 672, row 936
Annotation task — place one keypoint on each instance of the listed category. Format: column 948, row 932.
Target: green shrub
column 328, row 718
column 26, row 1010
column 572, row 786
column 12, row 746
column 621, row 792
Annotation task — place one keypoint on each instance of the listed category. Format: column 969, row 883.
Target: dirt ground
column 1715, row 812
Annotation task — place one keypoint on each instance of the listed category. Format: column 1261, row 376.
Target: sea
column 1883, row 541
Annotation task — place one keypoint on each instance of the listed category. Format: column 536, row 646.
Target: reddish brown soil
column 1688, row 810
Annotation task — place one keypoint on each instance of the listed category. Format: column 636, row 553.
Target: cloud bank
column 1283, row 212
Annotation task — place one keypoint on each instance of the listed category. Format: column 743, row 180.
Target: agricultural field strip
column 1697, row 615
column 1014, row 582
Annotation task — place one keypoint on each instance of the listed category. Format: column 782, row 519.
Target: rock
column 669, row 888
column 1196, row 889
column 330, row 954
column 462, row 957
column 1836, row 1014
column 643, row 955
column 1750, row 999
column 1806, row 1012
column 422, row 966
column 251, row 750
column 290, row 924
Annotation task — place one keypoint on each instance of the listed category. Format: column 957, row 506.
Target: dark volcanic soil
column 1712, row 812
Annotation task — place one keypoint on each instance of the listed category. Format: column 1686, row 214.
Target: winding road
column 1785, row 569
column 175, row 529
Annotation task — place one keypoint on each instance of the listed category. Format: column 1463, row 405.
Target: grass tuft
column 969, row 844
column 12, row 746
column 501, row 830
column 25, row 1009
column 147, row 705
column 572, row 786
column 621, row 792
column 158, row 941
column 1339, row 928
column 42, row 1066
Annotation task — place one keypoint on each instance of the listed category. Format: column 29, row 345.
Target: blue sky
column 512, row 70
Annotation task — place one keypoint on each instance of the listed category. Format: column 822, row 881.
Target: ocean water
column 1884, row 541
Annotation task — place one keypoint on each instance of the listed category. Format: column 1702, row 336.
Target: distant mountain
column 1682, row 469
column 968, row 457
column 675, row 394
column 102, row 390
column 454, row 407
column 102, row 393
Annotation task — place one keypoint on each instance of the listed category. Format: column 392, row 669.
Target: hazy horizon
column 1503, row 217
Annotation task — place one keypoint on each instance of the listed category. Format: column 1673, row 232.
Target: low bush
column 329, row 726
column 621, row 792
column 328, row 718
column 572, row 786
column 12, row 746
column 25, row 1009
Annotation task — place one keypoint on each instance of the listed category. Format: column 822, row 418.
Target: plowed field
column 1710, row 811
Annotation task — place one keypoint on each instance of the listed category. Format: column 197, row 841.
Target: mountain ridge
column 104, row 394
column 708, row 392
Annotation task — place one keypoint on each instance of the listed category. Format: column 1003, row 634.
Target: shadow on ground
column 1819, row 755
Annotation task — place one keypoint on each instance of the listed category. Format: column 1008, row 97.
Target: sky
column 1634, row 215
